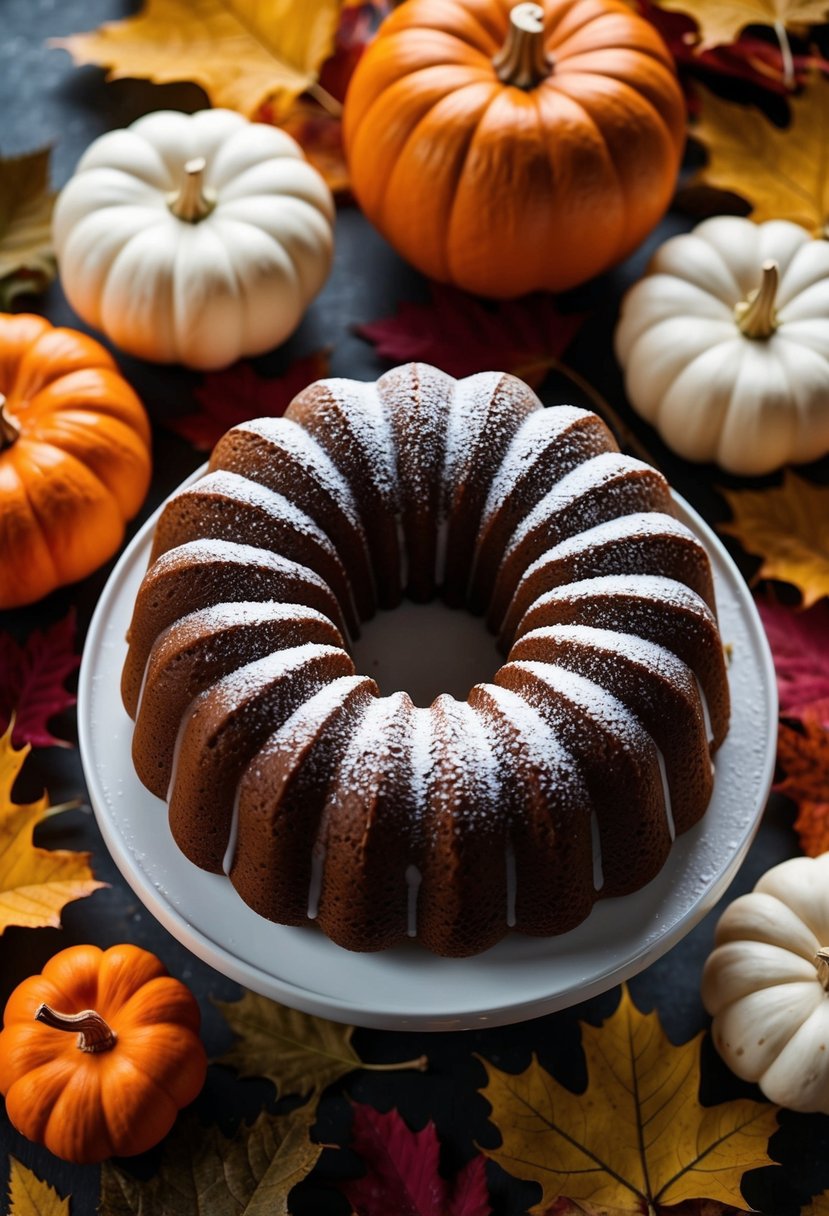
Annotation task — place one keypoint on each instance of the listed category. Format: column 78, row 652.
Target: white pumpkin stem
column 9, row 427
column 822, row 964
column 190, row 203
column 94, row 1034
column 523, row 60
column 756, row 316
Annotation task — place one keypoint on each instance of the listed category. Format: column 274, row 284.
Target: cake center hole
column 426, row 649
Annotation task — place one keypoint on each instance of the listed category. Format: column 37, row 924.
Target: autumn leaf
column 721, row 21
column 638, row 1135
column 27, row 263
column 29, row 1196
column 818, row 1207
column 32, row 682
column 782, row 173
column 799, row 644
column 243, row 53
column 402, row 1172
column 803, row 754
column 232, row 396
column 788, row 527
column 463, row 335
column 320, row 135
column 202, row 1173
column 296, row 1051
column 34, row 883
column 692, row 1207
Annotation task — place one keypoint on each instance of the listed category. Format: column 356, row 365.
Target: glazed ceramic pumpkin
column 507, row 149
column 725, row 344
column 74, row 457
column 767, row 984
column 196, row 239
column 99, row 1053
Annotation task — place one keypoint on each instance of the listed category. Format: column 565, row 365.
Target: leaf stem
column 418, row 1065
column 326, row 100
column 789, row 79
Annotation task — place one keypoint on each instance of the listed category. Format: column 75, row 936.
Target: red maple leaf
column 462, row 335
column 800, row 647
column 240, row 393
column 402, row 1172
column 32, row 682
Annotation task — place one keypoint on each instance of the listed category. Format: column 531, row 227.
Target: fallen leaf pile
column 27, row 263
column 35, row 883
column 239, row 393
column 637, row 1139
column 402, row 1176
column 32, row 680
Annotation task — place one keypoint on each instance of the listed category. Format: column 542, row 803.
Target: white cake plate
column 408, row 988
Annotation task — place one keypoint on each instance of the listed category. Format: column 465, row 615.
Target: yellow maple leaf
column 28, row 1196
column 27, row 262
column 788, row 527
column 781, row 172
column 243, row 53
column 34, row 883
column 637, row 1137
column 721, row 21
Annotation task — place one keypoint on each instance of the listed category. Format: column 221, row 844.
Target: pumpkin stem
column 190, row 202
column 93, row 1032
column 9, row 427
column 523, row 60
column 822, row 964
column 755, row 316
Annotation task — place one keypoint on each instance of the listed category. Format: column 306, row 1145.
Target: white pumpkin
column 725, row 344
column 767, row 982
column 194, row 238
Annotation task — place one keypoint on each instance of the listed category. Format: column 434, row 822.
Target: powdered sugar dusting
column 539, row 432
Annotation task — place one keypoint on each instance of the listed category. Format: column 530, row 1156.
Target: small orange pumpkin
column 74, row 457
column 113, row 1086
column 507, row 149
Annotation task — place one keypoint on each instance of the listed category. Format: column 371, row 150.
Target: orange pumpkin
column 113, row 1086
column 74, row 457
column 509, row 149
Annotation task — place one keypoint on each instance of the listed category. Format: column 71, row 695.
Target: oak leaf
column 402, row 1171
column 462, row 335
column 243, row 53
column 637, row 1138
column 788, row 527
column 35, row 883
column 239, row 393
column 30, row 1196
column 799, row 644
column 721, row 21
column 803, row 754
column 27, row 263
column 202, row 1173
column 32, row 681
column 780, row 172
column 296, row 1051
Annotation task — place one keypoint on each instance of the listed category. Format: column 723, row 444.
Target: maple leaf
column 31, row 682
column 29, row 1196
column 402, row 1171
column 27, row 263
column 800, row 646
column 239, row 393
column 692, row 1207
column 320, row 135
column 819, row 1206
column 34, row 883
column 463, row 335
column 803, row 754
column 780, row 172
column 637, row 1138
column 203, row 1172
column 720, row 21
column 787, row 526
column 294, row 1050
column 242, row 52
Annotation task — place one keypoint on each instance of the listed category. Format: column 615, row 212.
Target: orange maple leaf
column 34, row 883
column 803, row 754
column 788, row 527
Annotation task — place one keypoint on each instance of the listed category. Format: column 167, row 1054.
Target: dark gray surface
column 44, row 100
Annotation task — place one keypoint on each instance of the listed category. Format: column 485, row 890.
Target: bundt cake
column 561, row 782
